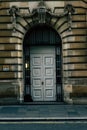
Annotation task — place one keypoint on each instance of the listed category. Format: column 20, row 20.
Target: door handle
column 42, row 83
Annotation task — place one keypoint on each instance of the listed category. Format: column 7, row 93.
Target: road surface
column 60, row 125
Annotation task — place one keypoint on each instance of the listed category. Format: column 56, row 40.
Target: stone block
column 7, row 88
column 8, row 93
column 7, row 75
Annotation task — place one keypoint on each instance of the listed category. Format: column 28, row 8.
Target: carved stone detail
column 41, row 13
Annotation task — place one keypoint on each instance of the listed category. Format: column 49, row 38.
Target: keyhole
column 42, row 83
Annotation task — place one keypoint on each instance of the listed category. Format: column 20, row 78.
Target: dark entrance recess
column 38, row 36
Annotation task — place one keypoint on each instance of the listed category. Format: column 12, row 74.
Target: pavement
column 44, row 112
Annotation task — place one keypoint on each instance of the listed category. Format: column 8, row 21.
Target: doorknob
column 42, row 83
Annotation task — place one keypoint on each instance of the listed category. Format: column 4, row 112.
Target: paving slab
column 43, row 112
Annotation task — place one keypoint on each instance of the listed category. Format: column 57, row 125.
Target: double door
column 43, row 73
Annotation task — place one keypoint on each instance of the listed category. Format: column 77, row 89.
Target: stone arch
column 48, row 36
column 24, row 26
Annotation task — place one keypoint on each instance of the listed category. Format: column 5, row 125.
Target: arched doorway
column 42, row 64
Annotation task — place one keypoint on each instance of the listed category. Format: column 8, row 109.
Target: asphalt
column 43, row 112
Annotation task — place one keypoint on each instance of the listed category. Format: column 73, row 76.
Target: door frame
column 53, row 39
column 59, row 97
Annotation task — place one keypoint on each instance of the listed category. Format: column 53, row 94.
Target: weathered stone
column 73, row 48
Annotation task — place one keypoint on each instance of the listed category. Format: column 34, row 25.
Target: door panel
column 36, row 77
column 49, row 77
column 43, row 79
